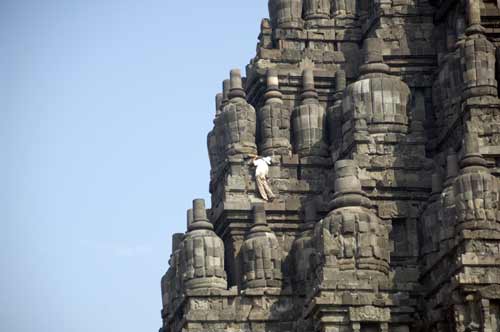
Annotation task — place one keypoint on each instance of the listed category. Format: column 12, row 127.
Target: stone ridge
column 382, row 122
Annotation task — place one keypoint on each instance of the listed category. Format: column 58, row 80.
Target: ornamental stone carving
column 202, row 253
column 309, row 121
column 261, row 254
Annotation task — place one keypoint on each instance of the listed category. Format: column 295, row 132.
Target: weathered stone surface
column 376, row 102
column 403, row 234
column 309, row 121
column 202, row 253
column 261, row 254
column 274, row 120
column 475, row 190
column 352, row 238
column 238, row 120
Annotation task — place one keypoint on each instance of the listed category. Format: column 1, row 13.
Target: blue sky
column 104, row 110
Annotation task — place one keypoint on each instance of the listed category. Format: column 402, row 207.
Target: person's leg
column 261, row 183
column 269, row 192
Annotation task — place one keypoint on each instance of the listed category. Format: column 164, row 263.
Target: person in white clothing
column 261, row 171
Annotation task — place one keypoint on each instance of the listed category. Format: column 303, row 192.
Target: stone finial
column 273, row 94
column 261, row 254
column 473, row 13
column 200, row 220
column 348, row 190
column 189, row 217
column 471, row 156
column 479, row 53
column 176, row 241
column 308, row 121
column 202, row 253
column 236, row 85
column 372, row 50
column 363, row 100
column 225, row 91
column 235, row 79
column 346, row 176
column 354, row 228
column 218, row 103
column 274, row 119
column 372, row 57
column 309, row 93
column 308, row 79
column 259, row 219
column 199, row 211
column 238, row 121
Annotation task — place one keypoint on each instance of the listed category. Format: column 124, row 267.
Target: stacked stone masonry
column 382, row 121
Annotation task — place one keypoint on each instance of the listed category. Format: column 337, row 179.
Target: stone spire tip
column 372, row 50
column 236, row 84
column 218, row 102
column 273, row 94
column 471, row 154
column 309, row 91
column 259, row 219
column 348, row 191
column 189, row 217
column 235, row 79
column 308, row 78
column 372, row 57
column 199, row 211
column 225, row 91
column 200, row 219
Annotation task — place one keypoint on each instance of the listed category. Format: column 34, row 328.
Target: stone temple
column 382, row 119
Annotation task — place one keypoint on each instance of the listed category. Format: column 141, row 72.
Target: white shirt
column 262, row 167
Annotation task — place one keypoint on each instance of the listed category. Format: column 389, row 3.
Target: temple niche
column 381, row 124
